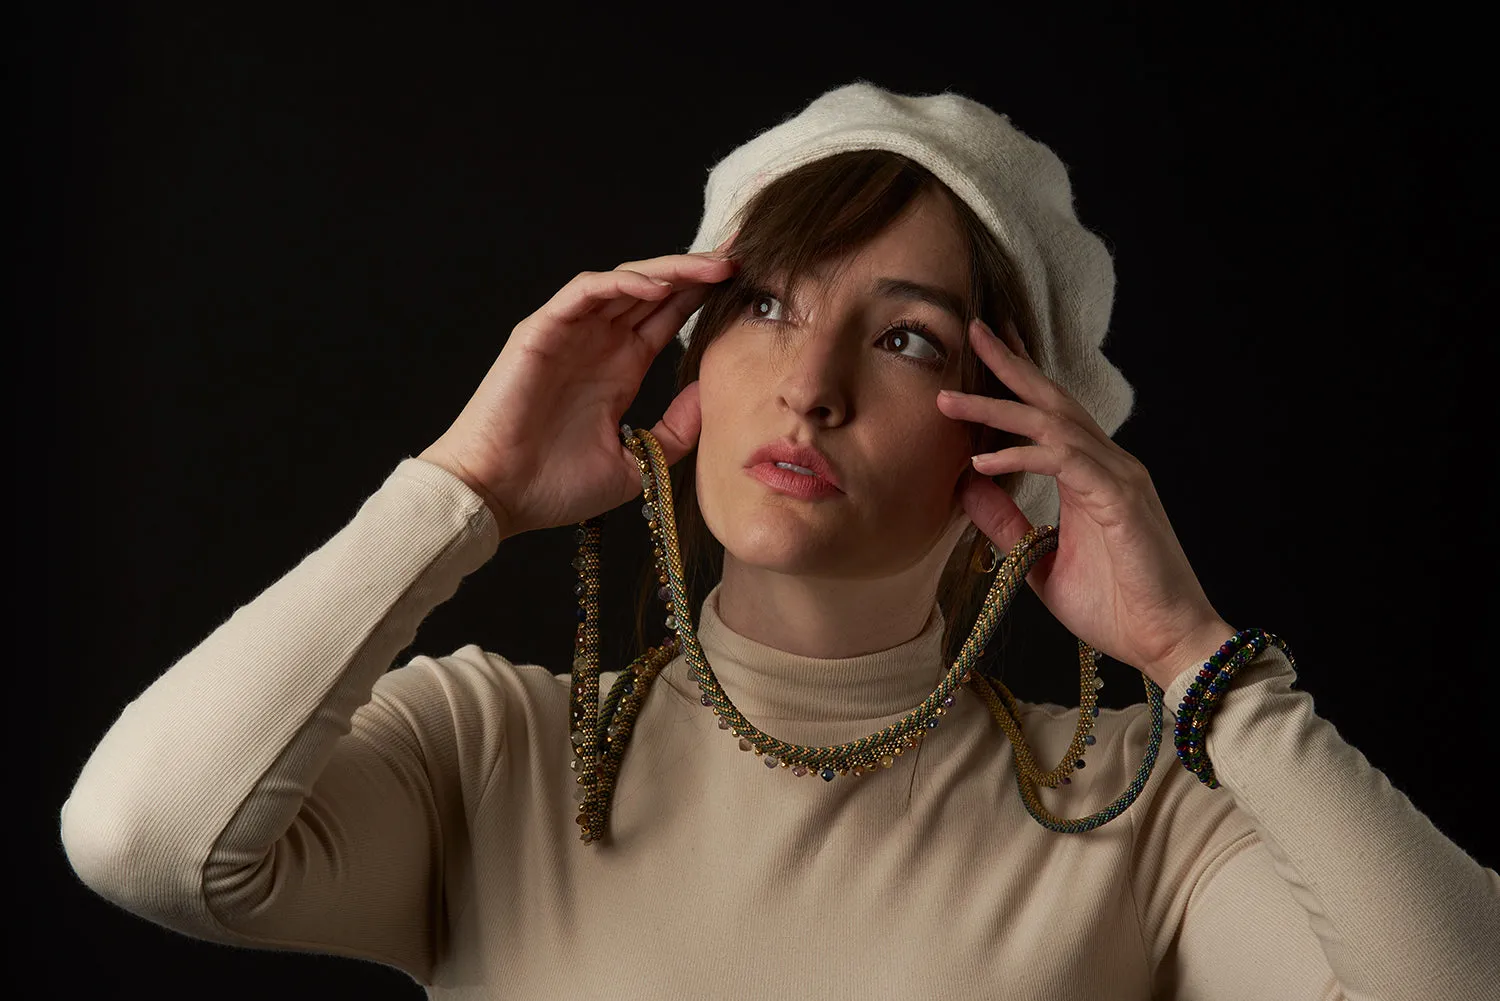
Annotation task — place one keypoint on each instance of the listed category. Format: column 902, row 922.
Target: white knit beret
column 1016, row 185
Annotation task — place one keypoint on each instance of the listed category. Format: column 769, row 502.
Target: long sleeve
column 276, row 787
column 1339, row 888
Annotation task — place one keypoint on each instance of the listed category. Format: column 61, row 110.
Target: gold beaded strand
column 598, row 759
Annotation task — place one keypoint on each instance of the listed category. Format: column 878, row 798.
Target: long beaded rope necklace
column 599, row 755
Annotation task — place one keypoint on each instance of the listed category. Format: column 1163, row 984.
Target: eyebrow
column 911, row 291
column 902, row 288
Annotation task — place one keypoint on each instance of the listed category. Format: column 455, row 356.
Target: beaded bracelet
column 1195, row 714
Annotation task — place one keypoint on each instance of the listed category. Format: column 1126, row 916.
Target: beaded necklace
column 599, row 755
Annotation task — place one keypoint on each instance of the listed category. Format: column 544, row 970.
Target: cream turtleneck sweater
column 279, row 787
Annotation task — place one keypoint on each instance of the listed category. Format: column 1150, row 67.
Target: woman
column 833, row 495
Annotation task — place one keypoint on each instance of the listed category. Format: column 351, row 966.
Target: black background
column 272, row 253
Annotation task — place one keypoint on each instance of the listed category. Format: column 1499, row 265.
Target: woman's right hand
column 540, row 438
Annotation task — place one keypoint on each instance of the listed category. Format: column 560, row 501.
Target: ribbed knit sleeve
column 276, row 787
column 1341, row 889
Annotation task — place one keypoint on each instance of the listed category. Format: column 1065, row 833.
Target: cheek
column 715, row 404
column 716, row 448
column 927, row 459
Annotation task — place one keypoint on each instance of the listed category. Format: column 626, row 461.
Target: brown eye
column 915, row 345
column 764, row 306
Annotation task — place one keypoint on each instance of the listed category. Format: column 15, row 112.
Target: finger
column 1078, row 470
column 640, row 313
column 1021, row 375
column 1053, row 430
column 723, row 248
column 681, row 270
column 1006, row 415
column 675, row 266
column 590, row 290
column 667, row 319
column 679, row 427
column 1031, row 458
column 995, row 514
column 1012, row 337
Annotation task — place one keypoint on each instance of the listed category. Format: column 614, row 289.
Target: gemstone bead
column 827, row 773
column 745, row 744
column 671, row 622
column 664, row 593
column 1089, row 739
column 771, row 761
column 799, row 770
column 1098, row 682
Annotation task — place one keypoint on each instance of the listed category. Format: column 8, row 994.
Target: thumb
column 995, row 514
column 679, row 427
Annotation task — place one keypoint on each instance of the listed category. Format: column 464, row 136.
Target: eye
column 913, row 340
column 759, row 301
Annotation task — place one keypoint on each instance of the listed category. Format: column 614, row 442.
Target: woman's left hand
column 1118, row 579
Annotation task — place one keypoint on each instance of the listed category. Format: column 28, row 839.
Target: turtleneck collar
column 771, row 684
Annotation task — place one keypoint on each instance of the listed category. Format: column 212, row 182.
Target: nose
column 816, row 377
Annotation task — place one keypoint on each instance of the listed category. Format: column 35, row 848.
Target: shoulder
column 471, row 679
column 472, row 688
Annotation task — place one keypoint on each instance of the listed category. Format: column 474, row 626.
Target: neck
column 829, row 617
column 813, row 700
column 822, row 617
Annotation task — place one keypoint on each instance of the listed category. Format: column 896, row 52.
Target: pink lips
column 793, row 483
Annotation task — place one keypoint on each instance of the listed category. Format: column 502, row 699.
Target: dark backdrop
column 273, row 253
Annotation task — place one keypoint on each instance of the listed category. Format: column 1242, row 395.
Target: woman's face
column 851, row 368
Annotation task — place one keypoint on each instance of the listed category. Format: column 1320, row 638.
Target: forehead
column 924, row 244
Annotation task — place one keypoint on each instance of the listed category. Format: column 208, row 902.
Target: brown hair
column 822, row 213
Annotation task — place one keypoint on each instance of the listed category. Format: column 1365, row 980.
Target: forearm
column 1399, row 909
column 294, row 663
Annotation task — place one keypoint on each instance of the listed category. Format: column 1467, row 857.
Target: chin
column 779, row 539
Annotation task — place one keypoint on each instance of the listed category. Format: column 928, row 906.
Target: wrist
column 1193, row 652
column 438, row 458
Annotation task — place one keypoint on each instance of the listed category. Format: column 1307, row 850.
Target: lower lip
column 793, row 484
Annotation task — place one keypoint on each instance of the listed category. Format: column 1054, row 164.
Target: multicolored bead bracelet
column 1196, row 710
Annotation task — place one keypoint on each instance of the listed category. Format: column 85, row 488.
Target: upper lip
column 798, row 455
